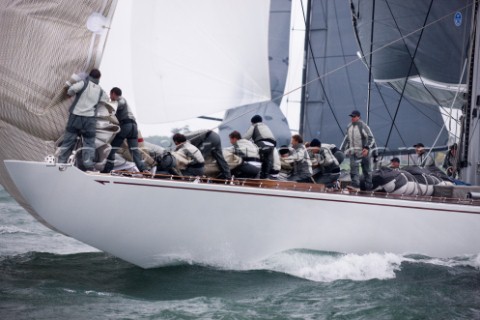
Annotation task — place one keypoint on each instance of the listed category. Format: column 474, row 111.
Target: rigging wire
column 448, row 115
column 412, row 61
column 317, row 71
column 361, row 58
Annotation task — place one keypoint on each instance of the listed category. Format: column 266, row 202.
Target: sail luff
column 43, row 43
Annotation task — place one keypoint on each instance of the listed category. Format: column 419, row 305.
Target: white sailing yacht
column 153, row 222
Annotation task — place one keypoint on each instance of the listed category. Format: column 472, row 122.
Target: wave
column 13, row 230
column 330, row 266
column 323, row 266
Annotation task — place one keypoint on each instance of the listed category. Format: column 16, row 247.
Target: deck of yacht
column 465, row 195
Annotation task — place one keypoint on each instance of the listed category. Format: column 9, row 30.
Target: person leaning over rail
column 128, row 131
column 263, row 137
column 210, row 144
column 325, row 166
column 189, row 159
column 82, row 121
column 358, row 142
column 300, row 160
column 247, row 151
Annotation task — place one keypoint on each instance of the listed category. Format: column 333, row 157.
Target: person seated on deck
column 395, row 163
column 421, row 157
column 189, row 159
column 245, row 152
column 286, row 167
column 209, row 143
column 325, row 166
column 451, row 163
column 300, row 160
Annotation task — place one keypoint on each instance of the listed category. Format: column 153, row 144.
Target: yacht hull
column 155, row 222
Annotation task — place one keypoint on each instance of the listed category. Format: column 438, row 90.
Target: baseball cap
column 355, row 113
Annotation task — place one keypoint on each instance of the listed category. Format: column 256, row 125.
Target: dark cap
column 178, row 137
column 419, row 145
column 355, row 113
column 256, row 118
column 395, row 160
column 95, row 74
column 283, row 150
column 315, row 143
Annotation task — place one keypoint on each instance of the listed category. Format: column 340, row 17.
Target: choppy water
column 44, row 275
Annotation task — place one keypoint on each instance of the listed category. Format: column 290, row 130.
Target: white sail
column 193, row 58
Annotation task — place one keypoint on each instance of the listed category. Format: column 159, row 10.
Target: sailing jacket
column 192, row 154
column 124, row 112
column 86, row 104
column 423, row 160
column 246, row 149
column 260, row 132
column 302, row 166
column 358, row 136
column 324, row 158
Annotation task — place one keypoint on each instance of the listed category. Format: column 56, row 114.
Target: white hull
column 153, row 222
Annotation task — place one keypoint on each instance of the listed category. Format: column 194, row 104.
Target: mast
column 370, row 65
column 306, row 46
column 471, row 136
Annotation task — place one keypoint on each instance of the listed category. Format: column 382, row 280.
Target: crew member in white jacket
column 82, row 120
column 247, row 151
column 192, row 162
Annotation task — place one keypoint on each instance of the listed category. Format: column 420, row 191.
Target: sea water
column 45, row 275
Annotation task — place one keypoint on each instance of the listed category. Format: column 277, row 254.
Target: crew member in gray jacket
column 210, row 144
column 300, row 160
column 82, row 120
column 358, row 143
column 128, row 130
column 263, row 137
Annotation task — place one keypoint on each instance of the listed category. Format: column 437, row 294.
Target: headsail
column 193, row 58
column 43, row 43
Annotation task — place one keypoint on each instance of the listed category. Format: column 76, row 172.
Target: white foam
column 466, row 260
column 476, row 261
column 12, row 230
column 330, row 267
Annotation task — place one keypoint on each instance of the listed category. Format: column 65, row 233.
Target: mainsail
column 339, row 61
column 43, row 43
